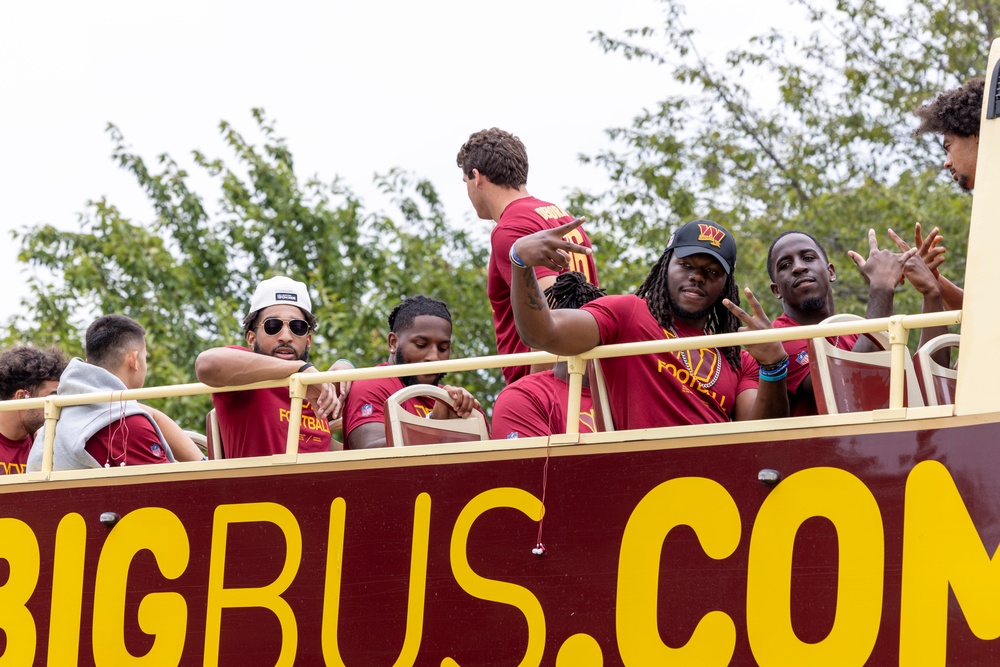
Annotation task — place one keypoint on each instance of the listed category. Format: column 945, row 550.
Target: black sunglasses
column 273, row 325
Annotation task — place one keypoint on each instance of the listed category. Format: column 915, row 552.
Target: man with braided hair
column 25, row 372
column 419, row 331
column 689, row 292
column 494, row 167
column 955, row 115
column 536, row 404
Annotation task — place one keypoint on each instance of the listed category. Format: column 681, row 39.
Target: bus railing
column 897, row 327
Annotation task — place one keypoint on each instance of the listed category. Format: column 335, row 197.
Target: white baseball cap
column 280, row 290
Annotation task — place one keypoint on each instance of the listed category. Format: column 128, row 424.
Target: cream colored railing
column 897, row 327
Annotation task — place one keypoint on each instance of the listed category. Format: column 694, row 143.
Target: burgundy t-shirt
column 14, row 454
column 523, row 217
column 654, row 390
column 366, row 402
column 132, row 441
column 255, row 422
column 798, row 365
column 536, row 405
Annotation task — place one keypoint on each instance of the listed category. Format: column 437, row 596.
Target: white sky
column 355, row 87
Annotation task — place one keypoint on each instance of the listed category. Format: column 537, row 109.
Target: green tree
column 187, row 275
column 828, row 151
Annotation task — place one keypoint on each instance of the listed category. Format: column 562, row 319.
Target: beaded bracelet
column 515, row 260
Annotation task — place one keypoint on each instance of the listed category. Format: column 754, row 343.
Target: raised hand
column 766, row 354
column 930, row 252
column 548, row 248
column 883, row 268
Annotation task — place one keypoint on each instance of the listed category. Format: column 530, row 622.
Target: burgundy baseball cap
column 705, row 236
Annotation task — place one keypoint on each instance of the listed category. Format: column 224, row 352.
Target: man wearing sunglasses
column 278, row 330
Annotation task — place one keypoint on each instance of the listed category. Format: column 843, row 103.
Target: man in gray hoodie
column 118, row 432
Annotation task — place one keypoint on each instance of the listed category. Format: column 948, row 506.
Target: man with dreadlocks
column 954, row 114
column 689, row 292
column 419, row 331
column 536, row 404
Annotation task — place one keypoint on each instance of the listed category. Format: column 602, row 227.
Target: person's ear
column 774, row 291
column 833, row 273
column 251, row 338
column 133, row 359
column 393, row 343
column 22, row 393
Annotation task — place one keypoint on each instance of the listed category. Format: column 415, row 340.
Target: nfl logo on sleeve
column 366, row 410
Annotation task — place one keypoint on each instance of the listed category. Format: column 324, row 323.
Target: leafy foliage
column 829, row 152
column 187, row 276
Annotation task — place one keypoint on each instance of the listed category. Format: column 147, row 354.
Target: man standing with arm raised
column 494, row 167
column 689, row 292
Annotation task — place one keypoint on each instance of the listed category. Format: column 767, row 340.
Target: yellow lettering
column 266, row 597
column 499, row 591
column 418, row 583
column 942, row 549
column 163, row 615
column 283, row 414
column 19, row 547
column 843, row 499
column 708, row 508
column 67, row 591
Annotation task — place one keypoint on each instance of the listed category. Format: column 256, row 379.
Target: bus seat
column 603, row 420
column 403, row 428
column 936, row 381
column 213, row 436
column 845, row 381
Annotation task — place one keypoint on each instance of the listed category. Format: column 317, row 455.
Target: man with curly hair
column 494, row 167
column 25, row 372
column 955, row 115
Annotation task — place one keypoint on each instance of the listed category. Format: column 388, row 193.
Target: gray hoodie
column 79, row 422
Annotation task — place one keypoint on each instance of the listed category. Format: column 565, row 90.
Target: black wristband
column 306, row 366
column 775, row 366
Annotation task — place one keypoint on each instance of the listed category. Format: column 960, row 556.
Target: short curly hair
column 497, row 155
column 955, row 111
column 406, row 313
column 29, row 368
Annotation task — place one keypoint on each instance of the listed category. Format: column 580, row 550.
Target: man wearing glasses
column 278, row 330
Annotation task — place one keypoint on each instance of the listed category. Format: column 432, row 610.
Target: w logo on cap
column 712, row 234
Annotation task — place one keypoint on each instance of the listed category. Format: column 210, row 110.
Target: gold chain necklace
column 684, row 356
